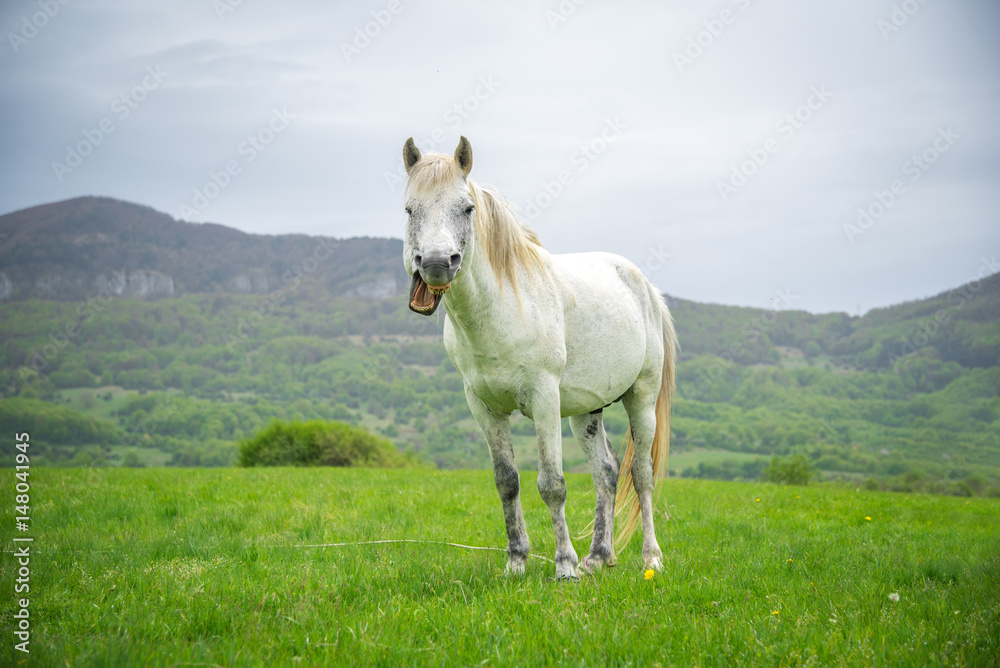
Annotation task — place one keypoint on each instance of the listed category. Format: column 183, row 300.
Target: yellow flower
column 868, row 518
column 650, row 573
column 758, row 499
column 789, row 561
column 774, row 612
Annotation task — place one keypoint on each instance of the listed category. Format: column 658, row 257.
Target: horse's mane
column 508, row 242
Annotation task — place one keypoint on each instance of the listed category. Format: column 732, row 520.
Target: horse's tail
column 625, row 499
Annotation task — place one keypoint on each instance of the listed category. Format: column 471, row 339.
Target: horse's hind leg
column 640, row 404
column 589, row 432
column 496, row 428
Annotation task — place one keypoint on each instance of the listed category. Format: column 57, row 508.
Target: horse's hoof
column 654, row 561
column 566, row 571
column 593, row 563
column 514, row 568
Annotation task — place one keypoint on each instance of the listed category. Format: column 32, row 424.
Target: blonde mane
column 508, row 242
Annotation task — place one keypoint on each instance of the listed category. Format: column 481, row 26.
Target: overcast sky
column 724, row 146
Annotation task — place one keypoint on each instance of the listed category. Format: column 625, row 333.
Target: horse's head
column 441, row 218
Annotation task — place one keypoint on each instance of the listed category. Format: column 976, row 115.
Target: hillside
column 73, row 249
column 960, row 325
column 906, row 397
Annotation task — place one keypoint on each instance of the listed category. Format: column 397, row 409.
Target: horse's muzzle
column 437, row 269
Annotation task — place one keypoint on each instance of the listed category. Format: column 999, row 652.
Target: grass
column 147, row 456
column 200, row 566
column 684, row 459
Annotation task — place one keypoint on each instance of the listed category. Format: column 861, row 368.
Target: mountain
column 74, row 249
column 960, row 325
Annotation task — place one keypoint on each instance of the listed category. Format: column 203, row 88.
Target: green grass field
column 171, row 567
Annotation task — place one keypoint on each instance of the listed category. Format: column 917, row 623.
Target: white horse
column 549, row 335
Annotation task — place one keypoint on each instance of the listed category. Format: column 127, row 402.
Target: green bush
column 319, row 443
column 131, row 460
column 794, row 470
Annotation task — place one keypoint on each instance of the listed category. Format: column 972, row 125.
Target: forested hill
column 72, row 249
column 960, row 325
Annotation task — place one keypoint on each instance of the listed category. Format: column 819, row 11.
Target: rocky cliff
column 76, row 248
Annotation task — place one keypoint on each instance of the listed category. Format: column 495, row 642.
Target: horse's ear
column 463, row 155
column 411, row 154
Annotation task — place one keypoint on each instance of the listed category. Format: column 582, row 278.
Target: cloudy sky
column 727, row 147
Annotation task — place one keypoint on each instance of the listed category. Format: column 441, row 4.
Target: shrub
column 132, row 460
column 794, row 470
column 319, row 443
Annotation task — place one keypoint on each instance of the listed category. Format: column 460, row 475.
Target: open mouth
column 424, row 299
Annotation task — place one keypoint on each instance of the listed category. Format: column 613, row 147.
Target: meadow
column 162, row 567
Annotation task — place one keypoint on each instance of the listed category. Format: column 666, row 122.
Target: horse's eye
column 409, row 211
column 469, row 209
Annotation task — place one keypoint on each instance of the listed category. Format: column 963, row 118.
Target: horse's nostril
column 416, row 259
column 456, row 259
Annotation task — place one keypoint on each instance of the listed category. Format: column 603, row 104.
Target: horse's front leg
column 551, row 483
column 496, row 428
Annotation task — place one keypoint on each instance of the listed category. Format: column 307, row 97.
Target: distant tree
column 132, row 461
column 794, row 470
column 342, row 413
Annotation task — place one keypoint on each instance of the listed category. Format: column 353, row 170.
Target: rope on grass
column 423, row 542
